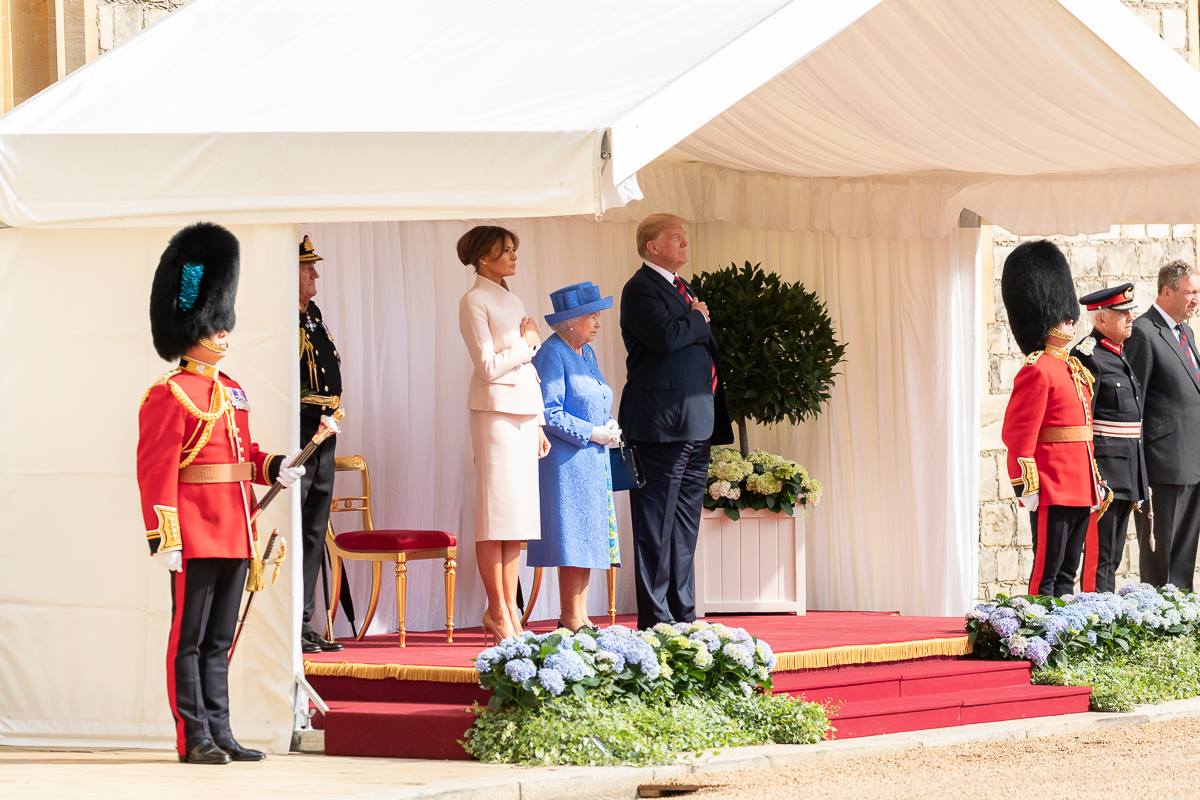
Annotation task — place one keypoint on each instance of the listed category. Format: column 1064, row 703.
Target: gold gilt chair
column 393, row 546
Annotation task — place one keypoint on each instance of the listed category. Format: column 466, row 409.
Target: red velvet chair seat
column 393, row 540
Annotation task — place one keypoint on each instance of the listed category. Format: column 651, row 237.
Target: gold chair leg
column 376, row 580
column 335, row 592
column 451, row 570
column 612, row 595
column 533, row 594
column 401, row 598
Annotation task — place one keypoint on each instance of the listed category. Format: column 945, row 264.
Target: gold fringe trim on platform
column 785, row 662
column 871, row 653
column 399, row 672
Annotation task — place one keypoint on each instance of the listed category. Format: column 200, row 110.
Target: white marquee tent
column 835, row 142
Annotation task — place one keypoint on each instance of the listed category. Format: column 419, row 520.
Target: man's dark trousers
column 666, row 518
column 1176, row 524
column 316, row 492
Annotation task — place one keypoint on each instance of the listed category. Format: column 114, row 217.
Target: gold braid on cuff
column 167, row 531
column 1028, row 482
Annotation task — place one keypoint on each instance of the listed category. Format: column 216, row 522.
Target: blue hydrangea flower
column 1005, row 626
column 551, row 680
column 1037, row 650
column 520, row 670
column 569, row 665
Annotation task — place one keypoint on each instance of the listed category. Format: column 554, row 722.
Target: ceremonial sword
column 328, row 427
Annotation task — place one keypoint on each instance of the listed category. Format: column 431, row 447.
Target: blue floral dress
column 579, row 521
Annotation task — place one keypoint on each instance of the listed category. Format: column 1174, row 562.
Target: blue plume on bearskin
column 194, row 288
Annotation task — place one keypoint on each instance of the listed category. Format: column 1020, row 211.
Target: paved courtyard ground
column 1153, row 752
column 1159, row 760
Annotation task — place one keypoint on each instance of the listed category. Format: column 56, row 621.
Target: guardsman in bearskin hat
column 320, row 393
column 1117, row 426
column 195, row 463
column 1048, row 422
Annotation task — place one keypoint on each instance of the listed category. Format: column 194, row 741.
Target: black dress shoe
column 239, row 753
column 206, row 752
column 309, row 647
column 316, row 640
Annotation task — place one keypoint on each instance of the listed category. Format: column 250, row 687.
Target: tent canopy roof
column 304, row 110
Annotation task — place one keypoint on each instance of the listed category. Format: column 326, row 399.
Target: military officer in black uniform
column 1117, row 427
column 320, row 393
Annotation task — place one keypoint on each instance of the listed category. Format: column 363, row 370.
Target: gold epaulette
column 1032, row 358
column 159, row 381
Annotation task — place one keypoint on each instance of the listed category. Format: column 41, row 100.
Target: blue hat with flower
column 577, row 300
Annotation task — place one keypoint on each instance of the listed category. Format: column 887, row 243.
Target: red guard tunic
column 1048, row 432
column 1051, row 403
column 196, row 419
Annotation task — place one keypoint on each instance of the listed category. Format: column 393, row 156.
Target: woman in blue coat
column 579, row 522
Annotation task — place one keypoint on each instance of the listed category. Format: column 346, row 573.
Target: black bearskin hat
column 1038, row 292
column 194, row 288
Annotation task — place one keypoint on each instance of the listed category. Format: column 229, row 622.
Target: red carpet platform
column 878, row 672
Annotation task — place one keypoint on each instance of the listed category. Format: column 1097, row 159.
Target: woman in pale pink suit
column 505, row 402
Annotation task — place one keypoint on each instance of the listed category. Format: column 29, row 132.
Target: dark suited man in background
column 672, row 410
column 1162, row 351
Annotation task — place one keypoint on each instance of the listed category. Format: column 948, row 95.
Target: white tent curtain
column 897, row 527
column 84, row 612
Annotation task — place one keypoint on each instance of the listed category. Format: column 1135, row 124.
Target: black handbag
column 626, row 468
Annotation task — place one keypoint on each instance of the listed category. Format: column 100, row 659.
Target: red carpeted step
column 390, row 690
column 397, row 730
column 1023, row 702
column 921, row 712
column 900, row 679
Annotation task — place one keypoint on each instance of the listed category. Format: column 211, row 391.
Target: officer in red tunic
column 1048, row 423
column 195, row 463
column 1120, row 456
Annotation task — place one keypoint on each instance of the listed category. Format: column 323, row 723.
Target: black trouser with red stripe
column 205, row 597
column 1100, row 571
column 1058, row 535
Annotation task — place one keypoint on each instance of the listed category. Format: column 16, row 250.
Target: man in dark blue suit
column 1163, row 354
column 672, row 410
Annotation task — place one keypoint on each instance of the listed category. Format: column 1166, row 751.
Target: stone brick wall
column 120, row 20
column 1125, row 253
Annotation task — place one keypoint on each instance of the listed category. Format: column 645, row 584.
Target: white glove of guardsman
column 171, row 560
column 288, row 475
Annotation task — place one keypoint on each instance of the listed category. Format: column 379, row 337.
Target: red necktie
column 1190, row 356
column 687, row 298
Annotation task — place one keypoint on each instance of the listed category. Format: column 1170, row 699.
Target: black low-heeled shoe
column 205, row 752
column 239, row 753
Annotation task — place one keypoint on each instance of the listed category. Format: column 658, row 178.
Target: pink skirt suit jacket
column 505, row 403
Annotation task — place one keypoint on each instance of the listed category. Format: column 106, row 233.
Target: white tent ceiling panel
column 465, row 109
column 1012, row 88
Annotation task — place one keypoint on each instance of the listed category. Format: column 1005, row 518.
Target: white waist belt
column 1119, row 430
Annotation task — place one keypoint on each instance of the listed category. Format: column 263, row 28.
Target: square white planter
column 753, row 564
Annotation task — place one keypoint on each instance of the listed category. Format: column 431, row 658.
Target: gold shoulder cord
column 217, row 408
column 307, row 352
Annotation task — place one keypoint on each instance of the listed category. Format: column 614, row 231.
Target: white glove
column 1029, row 502
column 171, row 560
column 289, row 475
column 607, row 434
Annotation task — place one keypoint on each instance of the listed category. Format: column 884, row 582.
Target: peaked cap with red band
column 1114, row 298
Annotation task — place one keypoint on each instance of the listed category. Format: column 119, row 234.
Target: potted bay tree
column 779, row 358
